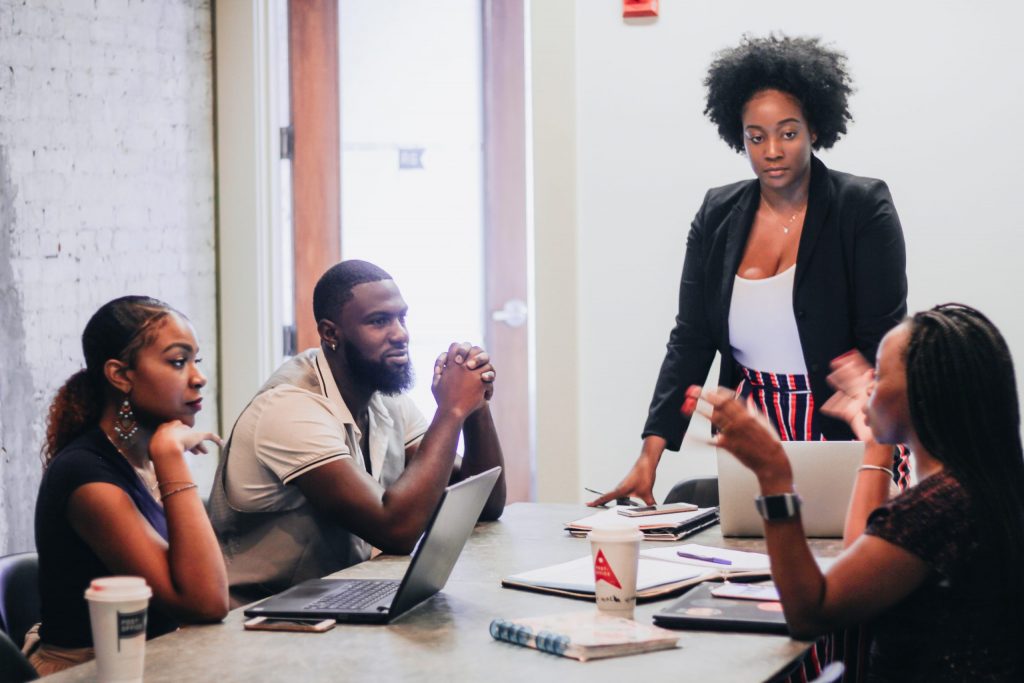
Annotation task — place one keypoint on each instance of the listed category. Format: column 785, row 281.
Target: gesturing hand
column 852, row 377
column 746, row 434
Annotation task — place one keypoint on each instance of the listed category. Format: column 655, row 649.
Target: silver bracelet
column 879, row 468
column 165, row 496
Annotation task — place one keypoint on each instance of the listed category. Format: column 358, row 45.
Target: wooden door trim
column 316, row 162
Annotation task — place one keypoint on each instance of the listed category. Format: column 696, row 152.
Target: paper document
column 612, row 518
column 578, row 575
column 721, row 559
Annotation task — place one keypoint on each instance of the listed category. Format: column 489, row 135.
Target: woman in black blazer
column 835, row 237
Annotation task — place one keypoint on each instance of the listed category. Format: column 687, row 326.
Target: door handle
column 513, row 314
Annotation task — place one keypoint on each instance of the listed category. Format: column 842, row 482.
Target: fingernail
column 471, row 364
column 458, row 359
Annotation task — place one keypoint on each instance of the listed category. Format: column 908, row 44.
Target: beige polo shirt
column 271, row 536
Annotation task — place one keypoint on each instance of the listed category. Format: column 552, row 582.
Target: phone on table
column 668, row 508
column 764, row 592
column 300, row 625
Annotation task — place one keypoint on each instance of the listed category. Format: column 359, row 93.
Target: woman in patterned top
column 934, row 572
column 117, row 496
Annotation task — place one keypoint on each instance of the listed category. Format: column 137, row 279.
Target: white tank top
column 762, row 327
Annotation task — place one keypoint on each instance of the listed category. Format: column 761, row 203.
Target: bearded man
column 330, row 459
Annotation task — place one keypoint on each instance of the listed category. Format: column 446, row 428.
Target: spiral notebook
column 583, row 635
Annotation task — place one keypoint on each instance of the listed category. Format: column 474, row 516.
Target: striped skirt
column 787, row 402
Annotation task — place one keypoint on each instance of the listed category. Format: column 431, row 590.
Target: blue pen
column 703, row 558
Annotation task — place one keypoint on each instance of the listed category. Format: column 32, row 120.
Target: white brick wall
column 106, row 188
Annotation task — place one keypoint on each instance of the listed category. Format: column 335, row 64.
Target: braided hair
column 116, row 331
column 964, row 408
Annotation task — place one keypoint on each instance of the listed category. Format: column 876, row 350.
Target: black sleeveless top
column 66, row 563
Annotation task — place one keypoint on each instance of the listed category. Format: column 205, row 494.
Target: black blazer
column 850, row 288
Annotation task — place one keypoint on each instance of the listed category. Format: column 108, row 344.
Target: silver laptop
column 823, row 475
column 382, row 600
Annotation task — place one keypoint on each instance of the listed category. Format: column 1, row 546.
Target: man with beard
column 330, row 459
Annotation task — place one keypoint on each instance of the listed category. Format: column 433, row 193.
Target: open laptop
column 381, row 601
column 823, row 476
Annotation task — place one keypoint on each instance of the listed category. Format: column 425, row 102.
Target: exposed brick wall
column 106, row 188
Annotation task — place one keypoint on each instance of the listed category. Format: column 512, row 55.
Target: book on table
column 583, row 635
column 664, row 527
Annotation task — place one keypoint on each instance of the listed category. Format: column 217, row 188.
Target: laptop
column 380, row 601
column 823, row 476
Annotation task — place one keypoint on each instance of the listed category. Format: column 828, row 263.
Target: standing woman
column 117, row 496
column 785, row 272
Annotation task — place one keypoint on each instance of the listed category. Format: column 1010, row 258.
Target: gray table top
column 447, row 638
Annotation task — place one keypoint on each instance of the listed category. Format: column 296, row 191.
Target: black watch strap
column 777, row 507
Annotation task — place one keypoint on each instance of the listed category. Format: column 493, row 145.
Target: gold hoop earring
column 125, row 424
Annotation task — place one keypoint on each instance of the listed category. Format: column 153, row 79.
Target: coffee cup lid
column 615, row 533
column 118, row 588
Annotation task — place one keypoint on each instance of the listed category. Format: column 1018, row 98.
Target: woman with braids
column 934, row 571
column 784, row 272
column 117, row 496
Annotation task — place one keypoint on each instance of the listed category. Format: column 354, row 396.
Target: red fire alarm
column 639, row 8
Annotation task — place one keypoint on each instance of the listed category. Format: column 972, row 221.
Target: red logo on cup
column 603, row 571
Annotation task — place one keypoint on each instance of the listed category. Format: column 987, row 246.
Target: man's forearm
column 483, row 451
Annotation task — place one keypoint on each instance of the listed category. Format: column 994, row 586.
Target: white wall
column 939, row 88
column 106, row 189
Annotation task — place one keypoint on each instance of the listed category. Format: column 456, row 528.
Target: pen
column 618, row 501
column 703, row 558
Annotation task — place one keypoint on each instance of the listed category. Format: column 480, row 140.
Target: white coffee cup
column 616, row 553
column 117, row 611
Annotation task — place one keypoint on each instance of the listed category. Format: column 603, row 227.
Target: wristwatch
column 777, row 507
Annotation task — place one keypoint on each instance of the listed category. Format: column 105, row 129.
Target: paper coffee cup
column 616, row 553
column 117, row 611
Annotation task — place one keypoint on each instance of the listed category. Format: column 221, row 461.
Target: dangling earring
column 125, row 424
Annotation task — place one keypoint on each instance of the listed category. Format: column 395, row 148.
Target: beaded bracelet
column 165, row 496
column 875, row 467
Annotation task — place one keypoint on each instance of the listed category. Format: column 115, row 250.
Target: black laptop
column 380, row 601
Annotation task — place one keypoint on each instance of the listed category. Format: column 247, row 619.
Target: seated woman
column 117, row 496
column 934, row 572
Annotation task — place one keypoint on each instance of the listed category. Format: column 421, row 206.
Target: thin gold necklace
column 785, row 225
column 139, row 472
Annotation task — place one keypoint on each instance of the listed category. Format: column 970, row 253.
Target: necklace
column 140, row 472
column 785, row 225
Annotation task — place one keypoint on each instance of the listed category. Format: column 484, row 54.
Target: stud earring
column 125, row 424
column 334, row 347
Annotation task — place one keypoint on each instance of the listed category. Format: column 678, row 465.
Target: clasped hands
column 463, row 372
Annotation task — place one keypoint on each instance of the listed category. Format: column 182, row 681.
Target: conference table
column 447, row 637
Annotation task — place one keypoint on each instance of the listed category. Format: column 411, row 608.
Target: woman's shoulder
column 87, row 458
column 847, row 186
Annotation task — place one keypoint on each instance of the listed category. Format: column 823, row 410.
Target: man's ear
column 330, row 334
column 116, row 373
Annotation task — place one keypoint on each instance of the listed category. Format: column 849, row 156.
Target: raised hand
column 853, row 378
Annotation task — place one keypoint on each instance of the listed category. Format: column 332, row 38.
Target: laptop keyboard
column 357, row 595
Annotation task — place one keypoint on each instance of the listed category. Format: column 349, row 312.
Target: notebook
column 381, row 601
column 823, row 476
column 702, row 611
column 668, row 527
column 583, row 635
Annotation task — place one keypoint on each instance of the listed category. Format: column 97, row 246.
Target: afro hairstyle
column 802, row 67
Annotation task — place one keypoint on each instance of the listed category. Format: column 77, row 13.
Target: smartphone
column 300, row 625
column 765, row 592
column 645, row 510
